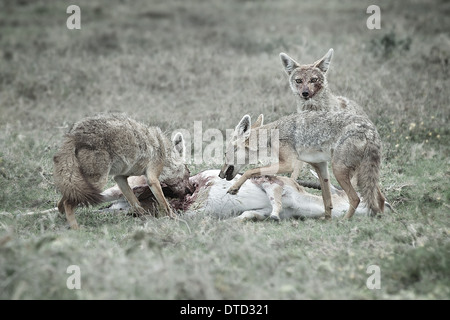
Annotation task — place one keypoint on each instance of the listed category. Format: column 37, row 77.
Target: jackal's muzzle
column 227, row 172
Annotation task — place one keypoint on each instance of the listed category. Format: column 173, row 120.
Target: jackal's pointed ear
column 289, row 64
column 259, row 122
column 243, row 128
column 178, row 145
column 324, row 63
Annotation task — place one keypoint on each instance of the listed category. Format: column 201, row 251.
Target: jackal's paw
column 138, row 211
column 233, row 190
column 172, row 215
column 274, row 217
column 74, row 226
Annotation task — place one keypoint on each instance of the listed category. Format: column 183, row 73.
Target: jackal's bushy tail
column 369, row 177
column 70, row 180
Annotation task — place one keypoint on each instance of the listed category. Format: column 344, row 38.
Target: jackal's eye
column 313, row 80
column 298, row 80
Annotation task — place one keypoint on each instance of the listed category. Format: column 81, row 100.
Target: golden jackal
column 350, row 142
column 309, row 84
column 104, row 145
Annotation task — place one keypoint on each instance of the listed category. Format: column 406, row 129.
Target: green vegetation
column 173, row 63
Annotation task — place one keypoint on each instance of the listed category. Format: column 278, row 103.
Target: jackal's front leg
column 155, row 187
column 324, row 178
column 129, row 195
column 281, row 167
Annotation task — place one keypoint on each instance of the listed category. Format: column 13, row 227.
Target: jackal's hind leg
column 61, row 206
column 381, row 200
column 69, row 209
column 342, row 175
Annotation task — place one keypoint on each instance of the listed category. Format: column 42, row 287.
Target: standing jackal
column 309, row 84
column 350, row 142
column 104, row 145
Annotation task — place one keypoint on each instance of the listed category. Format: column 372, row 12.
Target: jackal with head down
column 350, row 142
column 114, row 144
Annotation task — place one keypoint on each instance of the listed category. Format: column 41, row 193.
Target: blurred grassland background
column 170, row 63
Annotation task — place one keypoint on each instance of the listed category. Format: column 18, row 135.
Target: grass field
column 170, row 63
